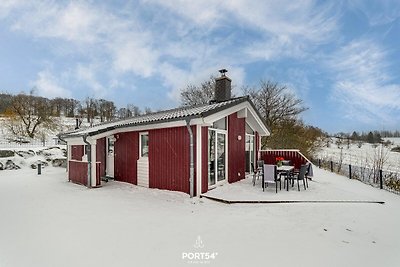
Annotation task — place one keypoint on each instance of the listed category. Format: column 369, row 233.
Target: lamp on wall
column 239, row 137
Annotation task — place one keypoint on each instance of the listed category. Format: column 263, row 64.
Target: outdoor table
column 286, row 169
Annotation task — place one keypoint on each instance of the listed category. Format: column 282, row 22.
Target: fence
column 387, row 180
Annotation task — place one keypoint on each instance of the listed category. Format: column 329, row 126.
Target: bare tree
column 31, row 112
column 275, row 102
column 198, row 94
column 106, row 110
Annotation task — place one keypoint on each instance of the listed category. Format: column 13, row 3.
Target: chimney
column 222, row 87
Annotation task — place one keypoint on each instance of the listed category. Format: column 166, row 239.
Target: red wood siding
column 98, row 171
column 101, row 155
column 204, row 159
column 169, row 158
column 126, row 156
column 78, row 172
column 236, row 148
column 269, row 157
column 77, row 152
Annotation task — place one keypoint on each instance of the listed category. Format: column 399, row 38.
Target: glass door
column 249, row 152
column 211, row 158
column 216, row 157
column 220, row 156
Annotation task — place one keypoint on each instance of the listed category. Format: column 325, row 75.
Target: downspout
column 89, row 158
column 191, row 177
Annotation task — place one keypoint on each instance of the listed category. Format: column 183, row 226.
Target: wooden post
column 319, row 163
column 381, row 179
column 331, row 166
column 349, row 171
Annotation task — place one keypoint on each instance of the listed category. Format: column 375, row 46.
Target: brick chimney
column 222, row 87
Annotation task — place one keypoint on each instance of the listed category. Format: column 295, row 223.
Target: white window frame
column 140, row 144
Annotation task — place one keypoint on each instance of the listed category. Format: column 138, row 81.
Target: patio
column 324, row 187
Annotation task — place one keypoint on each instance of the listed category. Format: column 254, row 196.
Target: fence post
column 331, row 166
column 349, row 171
column 39, row 168
column 381, row 179
column 319, row 163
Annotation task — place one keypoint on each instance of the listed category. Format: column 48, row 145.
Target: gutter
column 89, row 157
column 191, row 177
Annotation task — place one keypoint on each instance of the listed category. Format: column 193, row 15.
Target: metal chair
column 271, row 177
column 259, row 172
column 302, row 176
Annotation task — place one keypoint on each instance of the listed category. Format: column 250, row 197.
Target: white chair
column 271, row 177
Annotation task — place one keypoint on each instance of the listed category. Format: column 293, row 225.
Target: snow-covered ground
column 363, row 156
column 47, row 221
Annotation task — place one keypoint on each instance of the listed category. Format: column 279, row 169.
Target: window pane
column 144, row 150
column 220, row 124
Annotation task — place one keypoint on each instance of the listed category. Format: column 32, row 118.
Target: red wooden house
column 188, row 149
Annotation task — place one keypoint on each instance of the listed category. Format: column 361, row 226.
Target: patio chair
column 259, row 172
column 271, row 177
column 301, row 176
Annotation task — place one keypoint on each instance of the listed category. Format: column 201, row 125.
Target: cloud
column 47, row 86
column 364, row 86
column 87, row 74
column 378, row 12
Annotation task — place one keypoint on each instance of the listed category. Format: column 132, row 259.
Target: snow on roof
column 161, row 116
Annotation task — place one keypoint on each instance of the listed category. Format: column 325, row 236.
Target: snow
column 363, row 156
column 47, row 221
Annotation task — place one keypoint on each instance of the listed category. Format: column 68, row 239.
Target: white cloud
column 378, row 12
column 364, row 86
column 87, row 74
column 47, row 86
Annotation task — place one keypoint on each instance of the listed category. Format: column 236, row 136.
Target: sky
column 341, row 57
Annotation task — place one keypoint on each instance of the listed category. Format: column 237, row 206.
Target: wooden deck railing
column 297, row 158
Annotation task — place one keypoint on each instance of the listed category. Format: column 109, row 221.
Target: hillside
column 363, row 156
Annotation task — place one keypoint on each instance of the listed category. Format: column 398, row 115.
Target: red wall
column 204, row 159
column 169, row 159
column 101, row 155
column 77, row 152
column 236, row 148
column 126, row 156
column 78, row 172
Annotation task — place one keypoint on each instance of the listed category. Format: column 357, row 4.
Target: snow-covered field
column 363, row 156
column 47, row 221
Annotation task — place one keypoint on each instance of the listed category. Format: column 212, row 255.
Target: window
column 220, row 124
column 144, row 145
column 249, row 130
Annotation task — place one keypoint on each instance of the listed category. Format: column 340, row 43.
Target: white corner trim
column 198, row 160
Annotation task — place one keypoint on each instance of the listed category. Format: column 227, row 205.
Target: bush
column 6, row 153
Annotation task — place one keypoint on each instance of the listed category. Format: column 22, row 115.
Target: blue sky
column 341, row 57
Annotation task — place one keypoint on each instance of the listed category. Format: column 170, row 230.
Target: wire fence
column 387, row 180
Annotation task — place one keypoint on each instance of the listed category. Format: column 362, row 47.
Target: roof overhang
column 244, row 109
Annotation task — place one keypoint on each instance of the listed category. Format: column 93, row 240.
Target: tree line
column 28, row 112
column 371, row 137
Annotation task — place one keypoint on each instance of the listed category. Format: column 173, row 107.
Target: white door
column 110, row 157
column 143, row 162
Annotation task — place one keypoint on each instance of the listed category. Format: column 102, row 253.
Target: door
column 143, row 162
column 110, row 157
column 216, row 157
column 249, row 152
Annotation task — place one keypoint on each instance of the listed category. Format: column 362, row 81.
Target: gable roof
column 177, row 114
